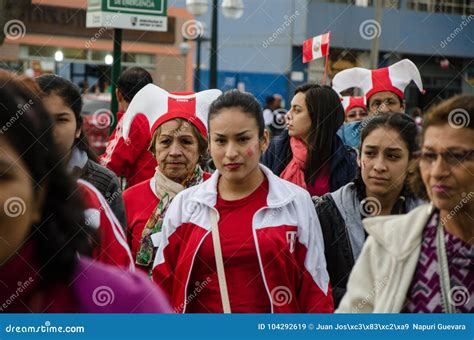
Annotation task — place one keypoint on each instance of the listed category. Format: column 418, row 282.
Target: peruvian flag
column 316, row 47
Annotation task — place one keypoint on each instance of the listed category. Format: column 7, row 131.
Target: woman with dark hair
column 63, row 102
column 388, row 146
column 250, row 238
column 310, row 154
column 421, row 262
column 42, row 225
column 177, row 124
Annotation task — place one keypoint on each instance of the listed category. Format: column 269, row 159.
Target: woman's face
column 449, row 180
column 234, row 144
column 299, row 119
column 65, row 129
column 176, row 150
column 356, row 114
column 20, row 206
column 384, row 162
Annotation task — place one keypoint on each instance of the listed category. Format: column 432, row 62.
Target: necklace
column 444, row 277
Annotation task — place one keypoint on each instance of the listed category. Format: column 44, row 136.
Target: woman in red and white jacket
column 244, row 241
column 179, row 142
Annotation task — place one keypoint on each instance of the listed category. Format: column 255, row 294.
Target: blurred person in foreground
column 44, row 237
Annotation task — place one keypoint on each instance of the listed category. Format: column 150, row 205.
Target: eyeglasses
column 452, row 158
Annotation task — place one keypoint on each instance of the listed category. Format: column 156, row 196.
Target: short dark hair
column 327, row 115
column 405, row 126
column 133, row 80
column 245, row 101
column 269, row 100
column 62, row 233
column 71, row 95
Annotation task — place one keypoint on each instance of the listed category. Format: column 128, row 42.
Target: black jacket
column 338, row 250
column 337, row 246
column 343, row 160
column 107, row 183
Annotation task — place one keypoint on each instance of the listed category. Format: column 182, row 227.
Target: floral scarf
column 166, row 190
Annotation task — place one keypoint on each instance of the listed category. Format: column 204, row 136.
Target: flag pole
column 326, row 61
column 325, row 70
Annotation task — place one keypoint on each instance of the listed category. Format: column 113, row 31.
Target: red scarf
column 294, row 171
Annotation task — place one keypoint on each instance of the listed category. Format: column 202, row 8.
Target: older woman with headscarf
column 178, row 125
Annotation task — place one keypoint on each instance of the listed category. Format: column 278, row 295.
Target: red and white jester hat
column 160, row 106
column 351, row 102
column 394, row 78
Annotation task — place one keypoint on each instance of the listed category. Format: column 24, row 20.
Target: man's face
column 385, row 101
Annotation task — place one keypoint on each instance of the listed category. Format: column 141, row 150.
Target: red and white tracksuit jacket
column 113, row 248
column 130, row 158
column 289, row 241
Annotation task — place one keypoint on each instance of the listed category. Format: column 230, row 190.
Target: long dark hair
column 406, row 127
column 62, row 234
column 327, row 116
column 71, row 95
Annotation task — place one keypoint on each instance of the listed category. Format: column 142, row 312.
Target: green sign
column 148, row 15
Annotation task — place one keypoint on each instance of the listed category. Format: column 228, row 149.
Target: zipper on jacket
column 254, row 232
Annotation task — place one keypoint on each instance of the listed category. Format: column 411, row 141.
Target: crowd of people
column 351, row 206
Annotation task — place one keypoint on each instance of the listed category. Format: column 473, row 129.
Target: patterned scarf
column 166, row 190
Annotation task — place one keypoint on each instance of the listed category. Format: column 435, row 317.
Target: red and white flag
column 316, row 47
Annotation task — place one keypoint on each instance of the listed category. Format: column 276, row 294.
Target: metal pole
column 213, row 58
column 375, row 48
column 197, row 75
column 115, row 74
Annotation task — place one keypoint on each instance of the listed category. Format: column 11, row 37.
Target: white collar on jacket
column 280, row 192
column 400, row 234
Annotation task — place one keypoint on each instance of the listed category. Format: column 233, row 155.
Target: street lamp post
column 231, row 9
column 213, row 58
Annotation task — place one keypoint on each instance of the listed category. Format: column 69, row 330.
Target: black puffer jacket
column 107, row 183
